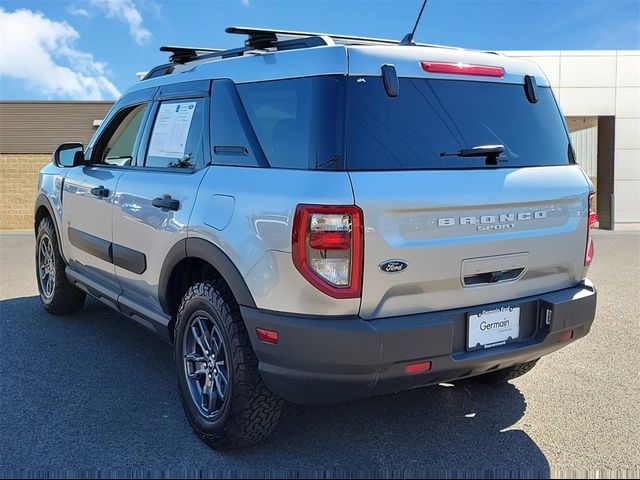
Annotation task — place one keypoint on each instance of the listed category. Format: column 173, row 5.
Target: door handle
column 166, row 202
column 100, row 191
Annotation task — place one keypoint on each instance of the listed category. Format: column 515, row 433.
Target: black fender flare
column 214, row 256
column 43, row 201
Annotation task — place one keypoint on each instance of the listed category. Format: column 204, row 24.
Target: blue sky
column 91, row 49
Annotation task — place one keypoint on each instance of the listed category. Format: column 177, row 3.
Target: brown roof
column 40, row 126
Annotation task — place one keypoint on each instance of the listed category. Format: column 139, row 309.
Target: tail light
column 592, row 219
column 327, row 248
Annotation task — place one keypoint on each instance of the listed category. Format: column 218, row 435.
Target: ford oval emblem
column 393, row 266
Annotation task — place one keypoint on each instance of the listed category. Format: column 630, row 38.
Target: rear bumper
column 326, row 359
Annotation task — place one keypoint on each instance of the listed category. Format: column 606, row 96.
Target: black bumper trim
column 321, row 360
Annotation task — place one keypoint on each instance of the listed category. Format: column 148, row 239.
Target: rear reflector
column 419, row 367
column 267, row 336
column 462, row 69
column 565, row 336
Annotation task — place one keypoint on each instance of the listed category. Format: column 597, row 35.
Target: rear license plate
column 492, row 328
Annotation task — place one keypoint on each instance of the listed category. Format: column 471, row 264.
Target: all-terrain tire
column 62, row 297
column 506, row 374
column 250, row 411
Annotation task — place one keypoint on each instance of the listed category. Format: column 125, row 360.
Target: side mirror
column 69, row 155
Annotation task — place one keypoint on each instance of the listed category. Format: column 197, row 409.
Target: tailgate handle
column 493, row 277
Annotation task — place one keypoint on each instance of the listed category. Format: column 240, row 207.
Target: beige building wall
column 29, row 132
column 18, row 185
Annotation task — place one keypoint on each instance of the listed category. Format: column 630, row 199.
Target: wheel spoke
column 193, row 372
column 216, row 341
column 201, row 335
column 221, row 385
column 211, row 397
column 197, row 373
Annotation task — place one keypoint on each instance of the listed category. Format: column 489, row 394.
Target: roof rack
column 260, row 39
column 183, row 54
column 258, row 35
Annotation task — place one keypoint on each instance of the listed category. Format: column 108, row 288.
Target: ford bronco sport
column 320, row 218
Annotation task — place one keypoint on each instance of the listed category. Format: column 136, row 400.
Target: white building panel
column 628, row 134
column 628, row 72
column 627, row 165
column 587, row 102
column 587, row 71
column 628, row 102
column 627, row 201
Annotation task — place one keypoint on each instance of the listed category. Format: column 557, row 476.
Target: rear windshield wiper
column 477, row 151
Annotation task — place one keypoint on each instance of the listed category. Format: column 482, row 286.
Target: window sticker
column 169, row 137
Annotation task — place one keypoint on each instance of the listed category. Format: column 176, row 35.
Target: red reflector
column 462, row 69
column 419, row 367
column 566, row 336
column 330, row 240
column 588, row 258
column 591, row 220
column 267, row 336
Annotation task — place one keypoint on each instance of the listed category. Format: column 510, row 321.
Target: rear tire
column 223, row 395
column 58, row 295
column 506, row 374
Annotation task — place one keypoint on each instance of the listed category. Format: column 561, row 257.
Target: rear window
column 429, row 117
column 299, row 122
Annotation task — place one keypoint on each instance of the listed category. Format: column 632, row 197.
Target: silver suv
column 320, row 218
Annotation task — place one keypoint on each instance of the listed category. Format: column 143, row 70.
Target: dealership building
column 598, row 91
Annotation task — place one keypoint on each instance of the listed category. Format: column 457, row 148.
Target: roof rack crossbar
column 183, row 54
column 255, row 34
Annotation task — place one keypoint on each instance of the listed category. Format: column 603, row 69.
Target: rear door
column 155, row 197
column 469, row 230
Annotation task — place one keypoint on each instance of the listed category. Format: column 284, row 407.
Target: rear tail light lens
column 462, row 69
column 592, row 219
column 327, row 248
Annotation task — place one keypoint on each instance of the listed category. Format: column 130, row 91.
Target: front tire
column 506, row 374
column 58, row 295
column 223, row 395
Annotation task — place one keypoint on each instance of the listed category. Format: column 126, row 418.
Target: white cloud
column 126, row 11
column 245, row 3
column 78, row 12
column 40, row 52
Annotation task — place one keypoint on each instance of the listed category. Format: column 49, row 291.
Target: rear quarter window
column 299, row 122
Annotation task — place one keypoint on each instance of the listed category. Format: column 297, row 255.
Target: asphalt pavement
column 94, row 394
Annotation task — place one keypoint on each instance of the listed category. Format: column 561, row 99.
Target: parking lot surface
column 96, row 392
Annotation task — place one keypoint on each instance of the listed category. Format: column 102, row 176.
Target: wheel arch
column 43, row 209
column 190, row 251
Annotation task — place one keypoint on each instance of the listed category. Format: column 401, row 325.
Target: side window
column 118, row 149
column 232, row 137
column 176, row 139
column 299, row 122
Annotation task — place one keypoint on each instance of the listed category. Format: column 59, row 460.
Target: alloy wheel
column 46, row 267
column 206, row 365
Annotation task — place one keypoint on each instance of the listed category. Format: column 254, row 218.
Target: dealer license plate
column 492, row 328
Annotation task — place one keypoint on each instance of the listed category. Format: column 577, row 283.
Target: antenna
column 408, row 38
